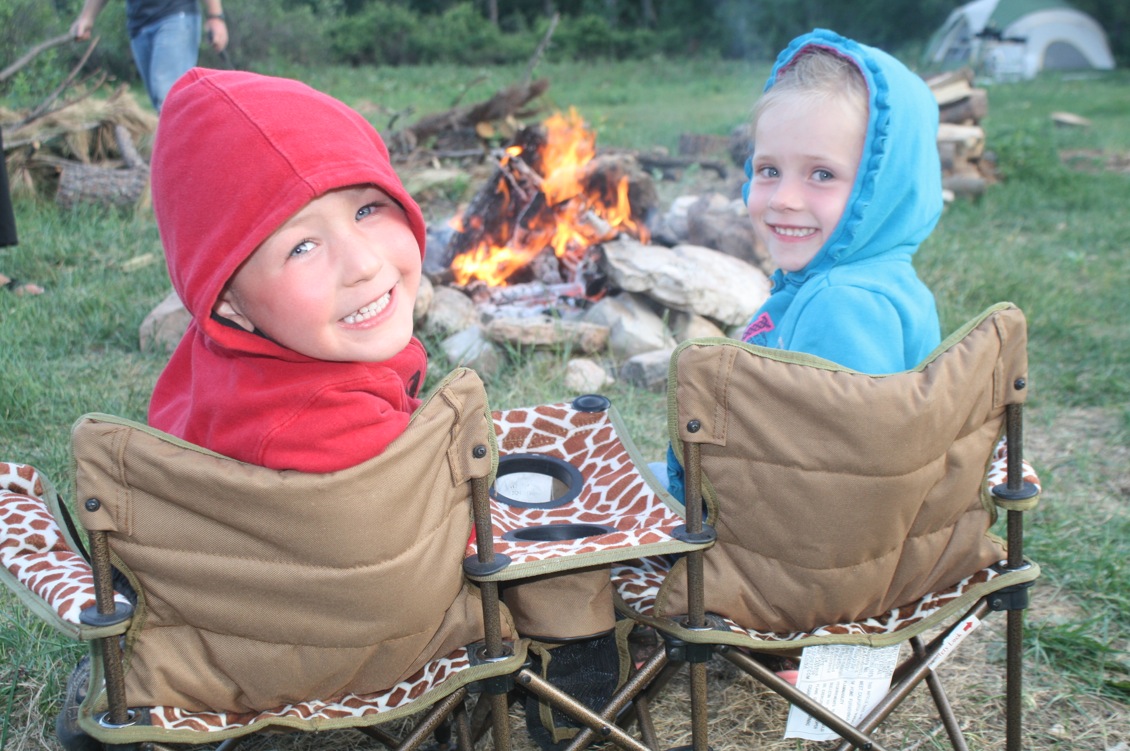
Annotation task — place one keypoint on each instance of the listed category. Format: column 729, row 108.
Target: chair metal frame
column 490, row 568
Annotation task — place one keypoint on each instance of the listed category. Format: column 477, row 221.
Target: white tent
column 1010, row 39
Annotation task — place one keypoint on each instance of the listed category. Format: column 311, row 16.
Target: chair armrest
column 619, row 512
column 37, row 561
column 997, row 474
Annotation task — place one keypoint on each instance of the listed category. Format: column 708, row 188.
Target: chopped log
column 968, row 140
column 968, row 186
column 488, row 214
column 703, row 144
column 971, row 109
column 102, row 184
column 665, row 163
column 511, row 209
column 1070, row 120
column 87, row 183
column 546, row 332
column 951, row 86
column 506, row 103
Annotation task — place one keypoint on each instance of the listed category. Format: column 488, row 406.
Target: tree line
column 478, row 32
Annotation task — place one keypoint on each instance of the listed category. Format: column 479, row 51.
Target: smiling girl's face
column 805, row 159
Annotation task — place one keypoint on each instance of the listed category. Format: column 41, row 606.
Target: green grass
column 1051, row 239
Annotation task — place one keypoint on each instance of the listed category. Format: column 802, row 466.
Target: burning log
column 488, row 215
column 528, row 300
column 548, row 190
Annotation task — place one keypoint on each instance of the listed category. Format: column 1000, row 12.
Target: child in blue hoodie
column 844, row 184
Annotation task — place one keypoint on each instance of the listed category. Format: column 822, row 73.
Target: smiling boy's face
column 337, row 281
column 805, row 159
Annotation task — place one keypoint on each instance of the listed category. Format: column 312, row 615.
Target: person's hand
column 82, row 27
column 217, row 33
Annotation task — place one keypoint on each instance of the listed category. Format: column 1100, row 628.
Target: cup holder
column 557, row 532
column 535, row 481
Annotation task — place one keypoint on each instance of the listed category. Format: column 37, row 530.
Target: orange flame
column 572, row 220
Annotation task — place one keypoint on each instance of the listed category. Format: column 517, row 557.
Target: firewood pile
column 966, row 166
column 78, row 144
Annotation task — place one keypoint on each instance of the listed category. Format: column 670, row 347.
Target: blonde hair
column 818, row 75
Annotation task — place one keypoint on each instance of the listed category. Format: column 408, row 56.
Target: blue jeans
column 164, row 51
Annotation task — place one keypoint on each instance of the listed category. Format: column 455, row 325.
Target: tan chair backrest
column 838, row 495
column 261, row 588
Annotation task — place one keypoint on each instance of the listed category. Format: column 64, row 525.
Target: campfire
column 550, row 200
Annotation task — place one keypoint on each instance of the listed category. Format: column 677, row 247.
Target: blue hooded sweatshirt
column 859, row 301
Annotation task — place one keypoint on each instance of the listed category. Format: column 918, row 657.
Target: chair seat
column 637, row 585
column 349, row 710
column 56, row 580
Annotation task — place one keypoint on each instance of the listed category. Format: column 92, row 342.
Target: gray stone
column 689, row 278
column 691, row 326
column 674, row 227
column 648, row 371
column 451, row 311
column 424, row 296
column 549, row 333
column 472, row 349
column 633, row 326
column 721, row 223
column 585, row 376
column 164, row 326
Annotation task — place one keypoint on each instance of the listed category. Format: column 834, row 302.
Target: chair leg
column 941, row 701
column 699, row 724
column 463, row 740
column 112, row 668
column 853, row 736
column 500, row 720
column 608, row 731
column 1014, row 680
column 647, row 726
column 432, row 720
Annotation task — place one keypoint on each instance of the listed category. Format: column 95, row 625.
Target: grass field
column 1052, row 237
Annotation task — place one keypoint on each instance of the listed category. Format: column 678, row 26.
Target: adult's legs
column 164, row 51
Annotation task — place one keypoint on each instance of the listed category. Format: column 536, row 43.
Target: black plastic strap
column 72, row 530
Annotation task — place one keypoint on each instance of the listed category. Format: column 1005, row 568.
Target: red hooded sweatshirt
column 236, row 154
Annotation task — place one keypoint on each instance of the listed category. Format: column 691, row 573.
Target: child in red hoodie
column 298, row 252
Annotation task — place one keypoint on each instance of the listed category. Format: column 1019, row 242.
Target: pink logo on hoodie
column 760, row 325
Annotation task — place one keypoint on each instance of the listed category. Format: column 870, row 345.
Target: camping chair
column 222, row 598
column 848, row 509
column 572, row 498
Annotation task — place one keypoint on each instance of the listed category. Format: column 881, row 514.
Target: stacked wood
column 966, row 169
column 74, row 145
column 86, row 152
